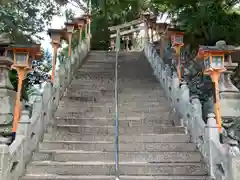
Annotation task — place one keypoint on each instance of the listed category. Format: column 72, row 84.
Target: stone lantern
column 7, row 93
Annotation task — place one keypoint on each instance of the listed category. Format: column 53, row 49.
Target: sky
column 57, row 23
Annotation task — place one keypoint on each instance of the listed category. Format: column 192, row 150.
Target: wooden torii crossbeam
column 127, row 32
column 128, row 24
column 125, row 25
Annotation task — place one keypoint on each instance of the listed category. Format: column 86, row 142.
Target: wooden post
column 216, row 99
column 55, row 46
column 80, row 33
column 70, row 44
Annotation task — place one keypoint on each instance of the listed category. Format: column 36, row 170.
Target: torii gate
column 125, row 30
column 163, row 31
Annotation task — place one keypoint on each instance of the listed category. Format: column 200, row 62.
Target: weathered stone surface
column 7, row 99
column 80, row 142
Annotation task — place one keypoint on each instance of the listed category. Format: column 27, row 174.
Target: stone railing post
column 212, row 133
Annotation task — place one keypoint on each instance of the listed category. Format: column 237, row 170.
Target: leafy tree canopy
column 204, row 21
column 23, row 19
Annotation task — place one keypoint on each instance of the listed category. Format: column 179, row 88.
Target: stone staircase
column 80, row 143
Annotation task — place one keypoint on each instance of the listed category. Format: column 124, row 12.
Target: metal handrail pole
column 116, row 106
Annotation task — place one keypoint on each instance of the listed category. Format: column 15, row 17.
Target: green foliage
column 23, row 19
column 14, row 82
column 69, row 14
column 107, row 13
column 205, row 21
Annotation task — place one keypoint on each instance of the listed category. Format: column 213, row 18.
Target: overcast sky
column 57, row 23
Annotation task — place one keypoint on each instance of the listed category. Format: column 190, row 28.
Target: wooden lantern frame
column 174, row 36
column 57, row 35
column 87, row 17
column 28, row 50
column 70, row 26
column 79, row 22
column 161, row 27
column 207, row 53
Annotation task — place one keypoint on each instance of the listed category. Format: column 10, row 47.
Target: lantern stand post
column 22, row 72
column 88, row 20
column 22, row 68
column 215, row 75
column 54, row 59
column 127, row 43
column 151, row 27
column 56, row 36
column 80, row 33
column 157, row 32
column 70, row 29
column 161, row 29
column 178, row 54
column 80, row 23
column 145, row 17
column 177, row 43
column 86, row 31
column 214, row 68
column 147, row 36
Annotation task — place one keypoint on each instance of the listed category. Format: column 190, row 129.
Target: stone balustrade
column 32, row 126
column 223, row 160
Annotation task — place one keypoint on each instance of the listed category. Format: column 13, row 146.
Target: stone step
column 154, row 157
column 94, row 74
column 122, row 99
column 108, row 168
column 99, row 77
column 101, row 103
column 100, row 55
column 97, row 70
column 126, row 104
column 93, row 81
column 123, row 109
column 64, row 136
column 99, row 62
column 109, row 96
column 78, row 86
column 90, row 177
column 110, row 122
column 150, row 104
column 98, row 65
column 109, row 85
column 111, row 114
column 106, row 146
column 150, row 83
column 102, row 94
column 127, row 82
column 111, row 70
column 110, row 130
column 122, row 92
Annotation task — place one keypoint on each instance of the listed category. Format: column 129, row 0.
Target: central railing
column 116, row 105
column 117, row 36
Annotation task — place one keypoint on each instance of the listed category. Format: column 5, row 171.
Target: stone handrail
column 31, row 128
column 222, row 160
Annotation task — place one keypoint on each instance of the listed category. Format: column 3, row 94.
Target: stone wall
column 31, row 128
